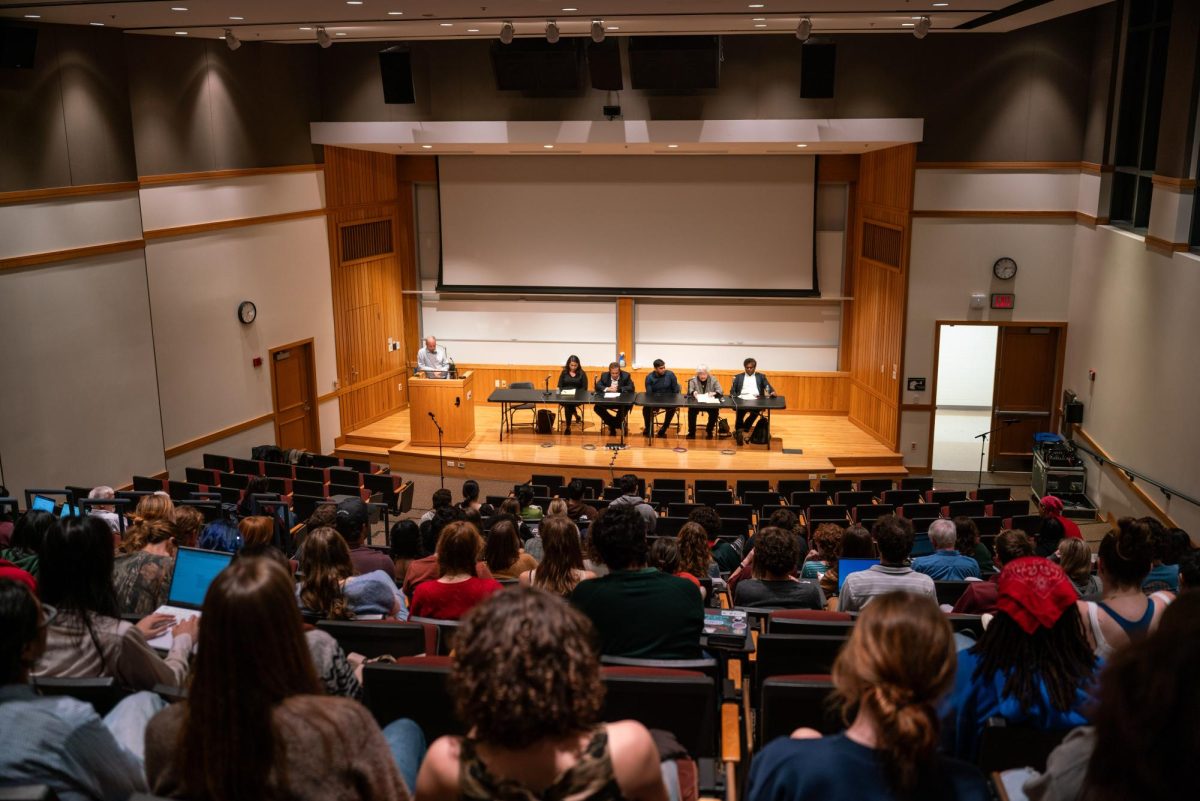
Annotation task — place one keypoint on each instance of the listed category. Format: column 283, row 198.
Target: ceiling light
column 940, row 5
column 354, row 2
column 802, row 145
column 672, row 145
column 178, row 8
column 506, row 33
column 908, row 24
column 759, row 19
column 33, row 16
column 181, row 33
column 570, row 9
column 427, row 147
column 237, row 18
column 548, row 147
column 306, row 28
column 323, row 38
column 612, row 28
column 552, row 33
column 760, row 25
column 231, row 41
column 472, row 30
column 758, row 5
column 804, row 29
column 339, row 33
column 922, row 28
column 97, row 24
column 446, row 24
column 395, row 13
column 597, row 31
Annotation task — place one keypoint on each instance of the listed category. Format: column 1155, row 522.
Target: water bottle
column 621, row 361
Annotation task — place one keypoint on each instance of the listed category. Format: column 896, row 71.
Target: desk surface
column 653, row 400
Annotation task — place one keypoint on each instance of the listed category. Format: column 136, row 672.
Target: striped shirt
column 864, row 585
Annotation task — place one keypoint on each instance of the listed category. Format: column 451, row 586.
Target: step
column 871, row 471
column 370, row 441
column 353, row 451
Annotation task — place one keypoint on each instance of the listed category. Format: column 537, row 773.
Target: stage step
column 354, row 451
column 871, row 471
column 368, row 440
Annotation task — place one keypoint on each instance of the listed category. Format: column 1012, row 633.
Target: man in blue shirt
column 660, row 382
column 945, row 563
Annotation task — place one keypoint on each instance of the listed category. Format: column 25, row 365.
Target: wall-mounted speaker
column 17, row 47
column 604, row 65
column 818, row 61
column 537, row 66
column 395, row 71
column 675, row 63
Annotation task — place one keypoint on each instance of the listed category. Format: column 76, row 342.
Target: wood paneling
column 406, row 249
column 220, row 175
column 367, row 309
column 1120, row 476
column 1165, row 245
column 56, row 192
column 452, row 400
column 221, row 225
column 1007, row 166
column 416, row 169
column 837, row 169
column 85, row 252
column 293, row 379
column 1174, row 184
column 625, row 328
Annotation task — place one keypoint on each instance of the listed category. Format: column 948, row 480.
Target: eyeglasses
column 48, row 614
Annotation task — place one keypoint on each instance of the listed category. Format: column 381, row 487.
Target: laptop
column 42, row 504
column 848, row 566
column 195, row 569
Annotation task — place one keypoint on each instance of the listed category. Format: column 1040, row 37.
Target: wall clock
column 247, row 311
column 1004, row 268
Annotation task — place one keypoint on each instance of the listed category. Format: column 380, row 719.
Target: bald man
column 431, row 359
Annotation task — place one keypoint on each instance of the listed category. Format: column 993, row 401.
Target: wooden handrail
column 1126, row 475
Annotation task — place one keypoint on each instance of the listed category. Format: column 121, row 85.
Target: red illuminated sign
column 1004, row 300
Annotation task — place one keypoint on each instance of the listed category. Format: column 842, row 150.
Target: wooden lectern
column 452, row 400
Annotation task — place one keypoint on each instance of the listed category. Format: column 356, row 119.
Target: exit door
column 293, row 377
column 1028, row 366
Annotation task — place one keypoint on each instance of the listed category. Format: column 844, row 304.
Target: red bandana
column 11, row 572
column 1054, row 504
column 1035, row 592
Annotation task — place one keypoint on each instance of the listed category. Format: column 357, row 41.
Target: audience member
column 787, row 520
column 526, row 684
column 894, row 536
column 6, row 520
column 353, row 524
column 577, row 508
column 695, row 555
column 87, row 639
column 404, row 546
column 106, row 512
column 156, row 506
column 637, row 611
column 1032, row 665
column 256, row 531
column 1075, row 558
column 945, row 563
column 1050, row 533
column 776, row 551
column 630, row 497
column 426, row 568
column 529, row 511
column 470, row 492
column 1051, row 508
column 557, row 508
column 897, row 665
column 441, row 499
column 329, row 589
column 188, row 522
column 1126, row 613
column 457, row 587
column 980, row 596
column 561, row 567
column 220, row 535
column 1164, row 567
column 142, row 574
column 55, row 740
column 255, row 724
column 511, row 508
column 968, row 544
column 503, row 553
column 664, row 557
column 826, row 543
column 727, row 555
column 28, row 540
column 1189, row 571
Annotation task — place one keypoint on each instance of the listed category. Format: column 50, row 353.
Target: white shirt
column 750, row 385
column 433, row 362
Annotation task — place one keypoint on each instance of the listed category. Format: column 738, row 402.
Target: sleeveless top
column 589, row 779
column 1134, row 628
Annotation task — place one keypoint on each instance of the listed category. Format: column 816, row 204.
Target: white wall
column 966, row 365
column 171, row 205
column 64, row 223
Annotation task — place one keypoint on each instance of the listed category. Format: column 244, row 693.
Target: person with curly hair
column 827, row 543
column 890, row 676
column 773, row 586
column 727, row 555
column 526, row 682
column 142, row 574
column 664, row 556
column 695, row 557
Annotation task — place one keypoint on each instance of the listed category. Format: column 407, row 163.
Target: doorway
column 293, row 378
column 963, row 394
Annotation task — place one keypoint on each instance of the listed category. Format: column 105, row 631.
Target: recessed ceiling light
column 33, row 16
column 570, row 9
column 612, row 28
column 427, row 147
column 758, row 5
column 760, row 25
column 339, row 33
column 178, row 8
column 759, row 19
column 354, row 2
column 305, row 28
column 472, row 30
column 446, row 24
column 181, row 33
column 395, row 13
column 237, row 18
column 801, row 145
column 940, row 5
column 908, row 24
column 548, row 147
column 672, row 145
column 914, row 17
column 97, row 24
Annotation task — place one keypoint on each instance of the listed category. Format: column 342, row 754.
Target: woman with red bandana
column 1052, row 507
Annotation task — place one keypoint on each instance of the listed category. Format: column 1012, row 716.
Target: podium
column 452, row 400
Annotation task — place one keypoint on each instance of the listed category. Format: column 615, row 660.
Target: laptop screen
column 42, row 504
column 194, row 571
column 848, row 566
column 70, row 511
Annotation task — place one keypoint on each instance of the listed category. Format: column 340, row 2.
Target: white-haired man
column 432, row 359
column 701, row 384
column 945, row 563
column 103, row 511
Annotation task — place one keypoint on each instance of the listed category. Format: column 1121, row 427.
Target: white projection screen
column 639, row 225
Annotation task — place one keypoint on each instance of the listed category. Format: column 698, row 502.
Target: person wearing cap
column 351, row 522
column 1031, row 667
column 1051, row 507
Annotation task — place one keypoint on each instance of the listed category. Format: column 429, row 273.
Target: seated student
column 773, row 586
column 441, row 499
column 142, row 574
column 1031, row 666
column 529, row 511
column 404, row 546
column 827, row 543
column 426, row 568
column 577, row 508
column 945, row 563
column 615, row 380
column 1075, row 558
column 511, row 508
column 526, row 683
column 727, row 555
column 630, row 497
column 106, row 512
column 55, row 741
column 457, row 587
column 561, row 567
column 534, row 545
column 329, row 589
column 28, row 540
column 220, row 535
column 1189, row 571
column 87, row 639
column 255, row 723
column 353, row 523
column 891, row 674
column 894, row 536
column 1125, row 614
column 695, row 555
column 470, row 492
column 503, row 553
column 664, row 557
column 1049, row 535
column 637, row 611
column 188, row 522
column 1164, row 567
column 1050, row 507
column 980, row 596
column 969, row 545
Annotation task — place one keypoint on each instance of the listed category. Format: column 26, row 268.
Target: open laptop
column 848, row 566
column 195, row 569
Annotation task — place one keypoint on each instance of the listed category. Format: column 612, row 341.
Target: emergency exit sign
column 1004, row 300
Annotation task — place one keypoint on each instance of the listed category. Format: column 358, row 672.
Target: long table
column 508, row 398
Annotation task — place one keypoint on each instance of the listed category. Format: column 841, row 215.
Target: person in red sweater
column 1052, row 507
column 458, row 588
column 981, row 596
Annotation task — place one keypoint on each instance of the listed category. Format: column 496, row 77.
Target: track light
column 597, row 31
column 506, row 33
column 552, row 32
column 231, row 41
column 921, row 29
column 804, row 29
column 323, row 38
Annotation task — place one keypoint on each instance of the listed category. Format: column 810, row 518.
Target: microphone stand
column 612, row 475
column 983, row 446
column 441, row 461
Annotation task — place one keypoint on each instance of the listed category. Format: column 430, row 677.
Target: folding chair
column 522, row 407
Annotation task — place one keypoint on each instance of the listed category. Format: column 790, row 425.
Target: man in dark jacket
column 661, row 381
column 751, row 384
column 615, row 380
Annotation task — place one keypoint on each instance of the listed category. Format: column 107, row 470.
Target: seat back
column 782, row 654
column 278, row 469
column 553, row 483
column 668, row 496
column 835, row 485
column 197, row 475
column 713, row 497
column 102, row 693
column 315, row 474
column 786, row 486
column 181, row 490
column 869, row 513
column 1002, row 747
column 446, row 631
column 611, row 493
column 901, row 497
column 854, row 498
column 835, row 512
column 992, row 494
column 830, row 628
column 373, row 638
column 682, row 702
column 682, row 509
column 916, row 511
column 147, row 484
column 988, row 526
column 875, row 486
column 362, row 466
column 948, row 592
column 214, row 461
column 943, row 497
column 710, row 485
column 414, row 688
column 967, row 508
column 385, row 484
column 791, row 702
column 669, row 526
column 758, row 499
column 234, row 480
column 670, row 484
column 745, row 485
column 734, row 527
column 596, row 485
column 1010, row 508
column 921, row 484
column 1030, row 524
column 737, row 511
column 345, row 477
column 247, row 467
column 304, row 505
column 804, row 499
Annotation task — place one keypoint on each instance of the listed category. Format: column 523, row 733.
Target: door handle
column 307, row 408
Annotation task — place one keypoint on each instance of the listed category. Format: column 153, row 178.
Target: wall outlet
column 497, row 382
column 449, row 463
column 504, row 382
column 462, row 464
column 912, row 446
column 400, row 387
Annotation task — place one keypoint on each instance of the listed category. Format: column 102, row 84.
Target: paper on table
column 612, row 394
column 707, row 397
column 566, row 393
column 748, row 396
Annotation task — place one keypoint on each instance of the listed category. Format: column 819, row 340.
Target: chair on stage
column 511, row 422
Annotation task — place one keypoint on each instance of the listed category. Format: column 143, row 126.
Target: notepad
column 612, row 394
column 705, row 397
column 566, row 393
column 747, row 396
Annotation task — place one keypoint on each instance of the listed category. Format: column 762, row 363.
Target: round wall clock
column 1004, row 268
column 247, row 311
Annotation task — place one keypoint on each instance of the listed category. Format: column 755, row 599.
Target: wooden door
column 292, row 382
column 1028, row 367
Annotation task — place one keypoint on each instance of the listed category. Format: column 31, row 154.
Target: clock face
column 247, row 311
column 1004, row 268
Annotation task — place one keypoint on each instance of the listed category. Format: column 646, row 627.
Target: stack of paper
column 566, row 393
column 706, row 397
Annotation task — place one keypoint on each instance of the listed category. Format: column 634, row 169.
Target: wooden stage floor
column 831, row 445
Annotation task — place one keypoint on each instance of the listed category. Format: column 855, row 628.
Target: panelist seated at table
column 432, row 361
column 749, row 384
column 660, row 381
column 572, row 377
column 615, row 380
column 703, row 383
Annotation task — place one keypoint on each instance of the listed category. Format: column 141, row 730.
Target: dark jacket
column 764, row 386
column 578, row 382
column 624, row 382
column 658, row 384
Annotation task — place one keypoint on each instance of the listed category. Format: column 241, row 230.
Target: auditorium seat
column 198, row 475
column 670, row 484
column 875, row 486
column 278, row 470
column 446, row 631
column 667, row 496
column 738, row 511
column 1002, row 746
column 102, row 693
column 867, row 514
column 783, row 654
column 213, row 461
column 374, row 638
column 966, row 509
column 901, row 497
column 809, row 621
column 835, row 485
column 944, row 497
column 678, row 700
column 1009, row 509
column 321, row 460
column 413, row 687
column 595, row 485
column 787, row 486
column 669, row 526
column 389, row 488
column 804, row 499
column 553, row 483
column 761, row 500
column 921, row 484
column 247, row 467
column 682, row 509
column 948, row 592
column 713, row 497
column 710, row 484
column 361, row 466
column 827, row 513
column 852, row 498
column 1030, row 524
column 745, row 485
column 790, row 702
column 991, row 494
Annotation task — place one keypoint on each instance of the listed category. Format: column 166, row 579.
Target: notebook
column 726, row 627
column 195, row 569
column 848, row 566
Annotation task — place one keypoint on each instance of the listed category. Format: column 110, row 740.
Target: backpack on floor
column 761, row 435
column 544, row 423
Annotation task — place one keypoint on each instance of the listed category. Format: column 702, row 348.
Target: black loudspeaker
column 675, row 63
column 604, row 65
column 1073, row 412
column 395, row 70
column 535, row 65
column 17, row 47
column 817, row 66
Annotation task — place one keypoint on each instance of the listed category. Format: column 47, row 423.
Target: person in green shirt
column 727, row 555
column 968, row 544
column 638, row 611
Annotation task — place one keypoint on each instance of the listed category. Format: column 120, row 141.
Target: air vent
column 882, row 244
column 366, row 240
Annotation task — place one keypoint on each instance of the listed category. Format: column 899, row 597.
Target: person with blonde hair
column 888, row 680
column 142, row 573
column 188, row 522
column 557, row 508
column 1075, row 558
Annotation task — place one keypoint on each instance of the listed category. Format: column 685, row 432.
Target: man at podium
column 432, row 361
